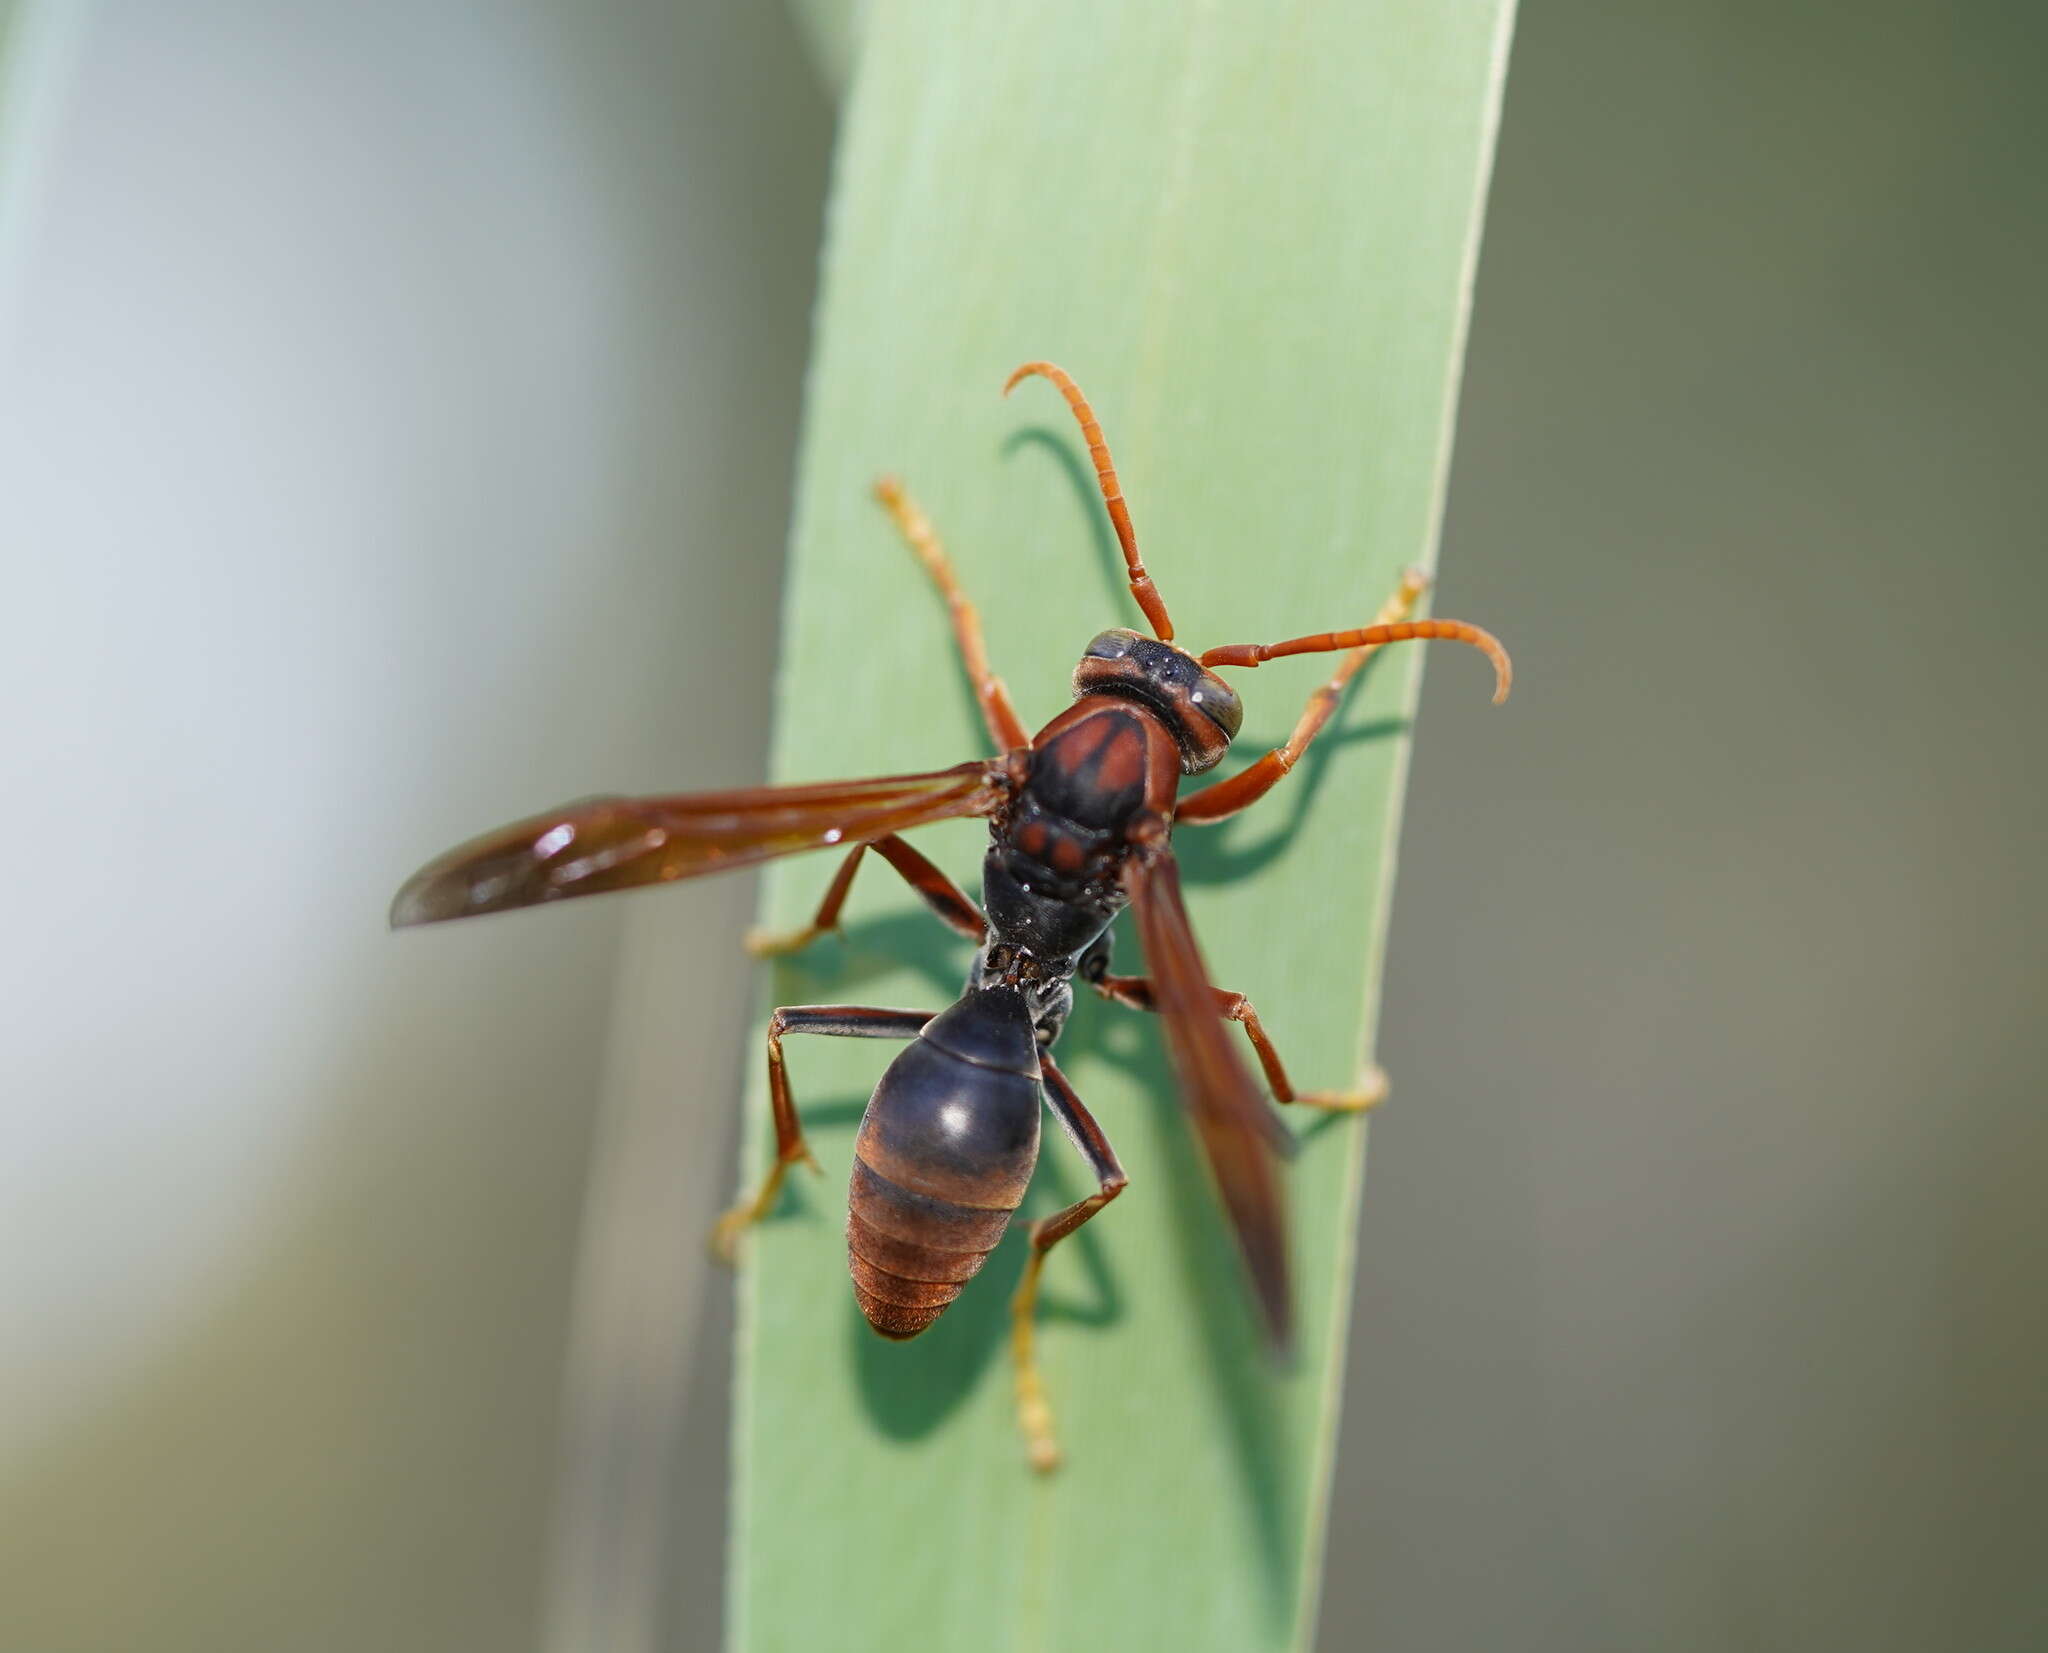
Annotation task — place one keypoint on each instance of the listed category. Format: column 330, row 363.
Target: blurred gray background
column 447, row 356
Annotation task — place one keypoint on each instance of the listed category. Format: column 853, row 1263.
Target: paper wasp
column 1081, row 816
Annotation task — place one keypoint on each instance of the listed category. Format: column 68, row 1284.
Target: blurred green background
column 395, row 430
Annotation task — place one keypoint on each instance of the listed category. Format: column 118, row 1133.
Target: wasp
column 1081, row 817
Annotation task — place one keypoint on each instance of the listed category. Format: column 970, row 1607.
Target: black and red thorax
column 1144, row 715
column 1052, row 879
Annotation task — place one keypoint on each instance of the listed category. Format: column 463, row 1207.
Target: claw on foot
column 725, row 1234
column 1034, row 1421
column 1044, row 1452
column 1370, row 1094
column 769, row 944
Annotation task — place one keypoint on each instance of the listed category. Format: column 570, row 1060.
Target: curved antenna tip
column 1024, row 373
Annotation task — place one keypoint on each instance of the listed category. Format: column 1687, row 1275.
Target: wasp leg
column 1242, row 790
column 1034, row 1416
column 1136, row 992
column 940, row 893
column 844, row 1021
column 1005, row 728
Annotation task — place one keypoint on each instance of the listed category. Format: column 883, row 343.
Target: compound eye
column 1112, row 645
column 1220, row 702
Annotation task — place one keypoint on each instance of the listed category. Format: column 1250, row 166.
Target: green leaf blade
column 1248, row 231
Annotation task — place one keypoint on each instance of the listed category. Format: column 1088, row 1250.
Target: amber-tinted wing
column 1231, row 1115
column 603, row 844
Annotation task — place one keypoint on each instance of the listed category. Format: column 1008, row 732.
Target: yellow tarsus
column 1034, row 1415
column 726, row 1232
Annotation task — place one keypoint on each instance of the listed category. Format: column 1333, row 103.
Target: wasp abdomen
column 901, row 1278
column 944, row 1155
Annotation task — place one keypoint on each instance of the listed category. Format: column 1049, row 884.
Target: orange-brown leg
column 1226, row 798
column 1136, row 992
column 846, row 1021
column 1004, row 726
column 939, row 892
column 1034, row 1416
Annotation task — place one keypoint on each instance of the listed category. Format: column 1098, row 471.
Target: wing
column 603, row 844
column 1230, row 1112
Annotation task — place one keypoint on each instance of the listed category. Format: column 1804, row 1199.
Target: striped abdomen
column 945, row 1151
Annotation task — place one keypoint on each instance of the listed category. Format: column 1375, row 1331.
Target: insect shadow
column 1080, row 477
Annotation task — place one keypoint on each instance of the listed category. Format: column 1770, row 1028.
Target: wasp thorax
column 1202, row 710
